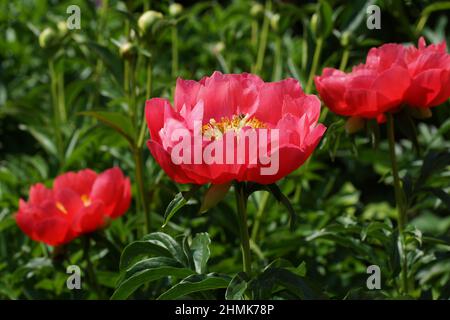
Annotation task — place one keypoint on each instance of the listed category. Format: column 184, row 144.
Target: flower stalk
column 241, row 203
column 315, row 64
column 263, row 39
column 174, row 50
column 399, row 199
column 130, row 90
column 57, row 114
column 90, row 267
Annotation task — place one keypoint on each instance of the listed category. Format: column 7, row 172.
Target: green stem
column 126, row 77
column 263, row 39
column 132, row 93
column 241, row 202
column 254, row 39
column 61, row 97
column 304, row 57
column 56, row 110
column 223, row 63
column 139, row 172
column 90, row 267
column 174, row 51
column 137, row 148
column 259, row 216
column 148, row 85
column 399, row 199
column 344, row 59
column 277, row 62
column 315, row 64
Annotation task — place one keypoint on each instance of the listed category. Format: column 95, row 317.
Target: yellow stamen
column 215, row 129
column 60, row 207
column 86, row 200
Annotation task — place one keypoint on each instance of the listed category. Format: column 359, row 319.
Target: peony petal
column 89, row 218
column 80, row 182
column 108, row 189
column 124, row 203
column 154, row 114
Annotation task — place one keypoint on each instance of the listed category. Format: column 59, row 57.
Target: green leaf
column 200, row 251
column 195, row 283
column 214, row 195
column 265, row 284
column 129, row 285
column 119, row 122
column 437, row 6
column 324, row 23
column 149, row 263
column 237, row 287
column 407, row 127
column 111, row 60
column 180, row 200
column 43, row 138
column 434, row 161
column 164, row 240
column 128, row 16
column 276, row 192
column 138, row 248
column 394, row 254
column 441, row 194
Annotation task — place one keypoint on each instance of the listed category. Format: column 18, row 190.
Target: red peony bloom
column 80, row 202
column 371, row 89
column 393, row 75
column 429, row 68
column 233, row 127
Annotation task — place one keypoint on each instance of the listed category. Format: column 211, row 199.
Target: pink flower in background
column 371, row 89
column 392, row 76
column 429, row 68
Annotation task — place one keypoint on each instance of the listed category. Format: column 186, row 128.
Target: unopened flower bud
column 274, row 19
column 47, row 38
column 62, row 28
column 147, row 20
column 354, row 124
column 218, row 47
column 127, row 51
column 256, row 9
column 175, row 9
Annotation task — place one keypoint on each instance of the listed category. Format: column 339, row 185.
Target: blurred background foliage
column 343, row 196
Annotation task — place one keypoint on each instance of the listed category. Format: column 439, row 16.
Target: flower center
column 216, row 129
column 86, row 200
column 60, row 207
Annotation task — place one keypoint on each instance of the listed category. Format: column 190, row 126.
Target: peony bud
column 47, row 38
column 256, row 9
column 218, row 47
column 175, row 9
column 274, row 19
column 127, row 51
column 354, row 124
column 147, row 20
